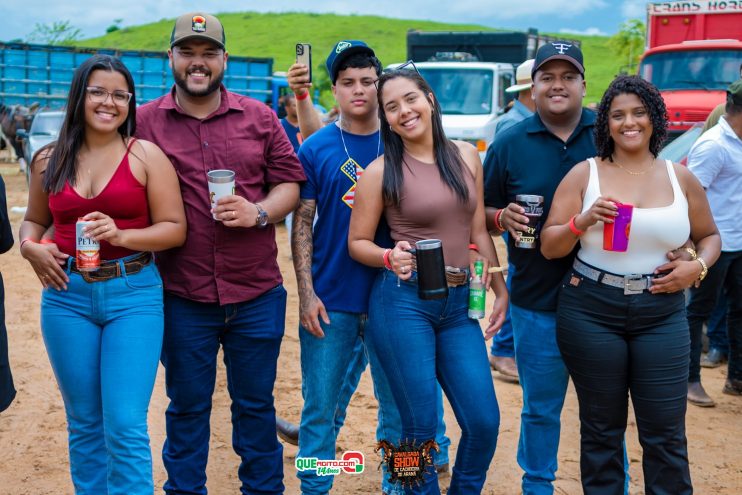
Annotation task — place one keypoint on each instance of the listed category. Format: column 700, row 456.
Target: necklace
column 631, row 172
column 342, row 138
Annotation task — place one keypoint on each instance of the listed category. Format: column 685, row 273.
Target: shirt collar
column 727, row 129
column 228, row 102
column 535, row 124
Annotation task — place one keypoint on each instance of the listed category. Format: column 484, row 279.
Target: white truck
column 469, row 72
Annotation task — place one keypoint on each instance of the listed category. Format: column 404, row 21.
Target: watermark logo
column 408, row 462
column 352, row 462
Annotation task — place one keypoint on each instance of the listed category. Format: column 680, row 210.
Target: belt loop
column 68, row 265
column 120, row 268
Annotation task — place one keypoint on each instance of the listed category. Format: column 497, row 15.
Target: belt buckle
column 634, row 284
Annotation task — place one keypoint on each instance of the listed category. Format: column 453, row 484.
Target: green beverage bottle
column 477, row 292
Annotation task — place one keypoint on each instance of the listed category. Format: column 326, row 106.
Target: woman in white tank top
column 621, row 325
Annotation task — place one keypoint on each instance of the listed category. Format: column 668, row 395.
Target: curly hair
column 652, row 101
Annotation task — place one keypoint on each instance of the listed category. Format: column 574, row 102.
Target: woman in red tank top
column 428, row 187
column 103, row 327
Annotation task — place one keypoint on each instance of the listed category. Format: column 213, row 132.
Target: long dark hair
column 62, row 166
column 450, row 164
column 652, row 101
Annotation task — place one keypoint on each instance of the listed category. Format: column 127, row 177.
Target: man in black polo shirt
column 532, row 157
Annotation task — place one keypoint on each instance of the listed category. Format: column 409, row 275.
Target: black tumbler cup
column 431, row 270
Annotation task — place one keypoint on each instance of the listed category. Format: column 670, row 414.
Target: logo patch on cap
column 561, row 47
column 342, row 46
column 198, row 24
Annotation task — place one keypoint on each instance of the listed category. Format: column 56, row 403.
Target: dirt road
column 33, row 431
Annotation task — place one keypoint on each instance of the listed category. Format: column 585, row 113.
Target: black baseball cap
column 559, row 50
column 341, row 51
column 197, row 25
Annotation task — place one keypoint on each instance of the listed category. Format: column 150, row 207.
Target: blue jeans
column 503, row 344
column 419, row 343
column 331, row 368
column 250, row 334
column 104, row 341
column 544, row 379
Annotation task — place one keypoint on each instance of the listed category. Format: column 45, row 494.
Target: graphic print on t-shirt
column 354, row 172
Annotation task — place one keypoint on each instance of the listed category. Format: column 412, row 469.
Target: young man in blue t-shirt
column 333, row 288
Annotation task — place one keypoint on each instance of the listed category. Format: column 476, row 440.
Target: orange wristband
column 473, row 247
column 574, row 228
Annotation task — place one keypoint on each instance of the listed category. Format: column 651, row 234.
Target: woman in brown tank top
column 428, row 187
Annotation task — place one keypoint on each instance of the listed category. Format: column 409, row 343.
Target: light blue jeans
column 544, row 379
column 331, row 368
column 103, row 341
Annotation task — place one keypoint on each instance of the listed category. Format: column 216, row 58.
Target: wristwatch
column 261, row 221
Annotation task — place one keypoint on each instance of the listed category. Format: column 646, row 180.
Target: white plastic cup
column 221, row 183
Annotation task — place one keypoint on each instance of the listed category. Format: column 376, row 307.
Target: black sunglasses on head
column 409, row 65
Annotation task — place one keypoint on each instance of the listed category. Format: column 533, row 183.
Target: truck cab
column 471, row 95
column 693, row 77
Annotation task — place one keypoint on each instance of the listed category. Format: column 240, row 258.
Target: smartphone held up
column 304, row 56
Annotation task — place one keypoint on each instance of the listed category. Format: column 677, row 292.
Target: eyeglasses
column 100, row 95
column 409, row 65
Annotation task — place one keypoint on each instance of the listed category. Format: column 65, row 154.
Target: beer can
column 533, row 205
column 87, row 250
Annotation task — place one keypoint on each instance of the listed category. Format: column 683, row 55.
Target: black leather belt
column 631, row 284
column 112, row 269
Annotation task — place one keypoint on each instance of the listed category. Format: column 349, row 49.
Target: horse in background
column 12, row 118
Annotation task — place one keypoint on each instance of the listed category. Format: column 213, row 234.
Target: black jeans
column 613, row 345
column 726, row 273
column 7, row 390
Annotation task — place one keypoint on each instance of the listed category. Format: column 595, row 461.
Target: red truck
column 694, row 51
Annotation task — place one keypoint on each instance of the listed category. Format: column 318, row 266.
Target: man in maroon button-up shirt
column 223, row 286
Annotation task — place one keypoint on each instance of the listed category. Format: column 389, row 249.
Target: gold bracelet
column 692, row 252
column 704, row 266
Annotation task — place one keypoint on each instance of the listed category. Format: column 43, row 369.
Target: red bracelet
column 302, row 96
column 473, row 247
column 47, row 241
column 574, row 228
column 498, row 224
column 387, row 264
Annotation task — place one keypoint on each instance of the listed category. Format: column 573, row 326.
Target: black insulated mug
column 431, row 270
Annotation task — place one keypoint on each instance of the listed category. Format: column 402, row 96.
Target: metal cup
column 534, row 206
column 221, row 183
column 431, row 269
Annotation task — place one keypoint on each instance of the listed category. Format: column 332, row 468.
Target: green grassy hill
column 274, row 35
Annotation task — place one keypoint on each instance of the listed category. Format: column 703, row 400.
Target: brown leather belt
column 112, row 269
column 455, row 277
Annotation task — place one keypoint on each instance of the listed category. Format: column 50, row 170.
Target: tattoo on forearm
column 302, row 248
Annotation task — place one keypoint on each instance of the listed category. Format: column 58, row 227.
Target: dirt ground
column 33, row 434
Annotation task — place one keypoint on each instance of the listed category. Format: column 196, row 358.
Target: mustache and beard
column 214, row 84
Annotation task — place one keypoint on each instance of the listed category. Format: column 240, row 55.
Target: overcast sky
column 93, row 16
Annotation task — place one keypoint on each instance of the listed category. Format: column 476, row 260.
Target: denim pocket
column 147, row 278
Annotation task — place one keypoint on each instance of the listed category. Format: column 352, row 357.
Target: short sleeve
column 705, row 161
column 308, row 188
column 281, row 162
column 495, row 177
